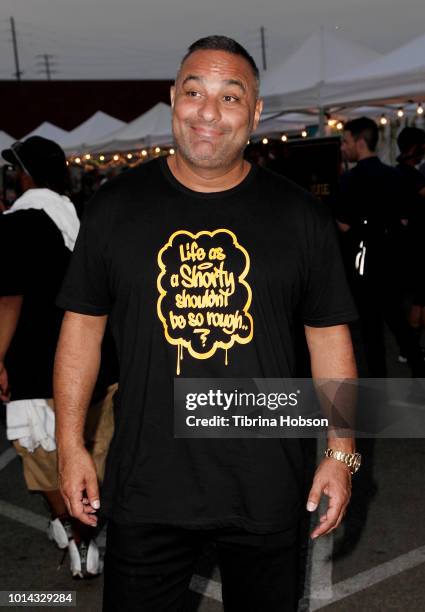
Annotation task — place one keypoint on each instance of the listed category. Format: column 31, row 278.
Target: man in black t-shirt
column 203, row 263
column 372, row 209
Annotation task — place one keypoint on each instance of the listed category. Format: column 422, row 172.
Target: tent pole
column 321, row 131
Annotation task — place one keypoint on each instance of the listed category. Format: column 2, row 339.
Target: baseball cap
column 39, row 157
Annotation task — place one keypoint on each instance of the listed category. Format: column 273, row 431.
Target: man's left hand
column 4, row 384
column 332, row 478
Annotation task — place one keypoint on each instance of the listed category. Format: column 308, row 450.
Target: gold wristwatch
column 352, row 460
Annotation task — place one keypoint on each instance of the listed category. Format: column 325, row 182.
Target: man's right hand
column 78, row 484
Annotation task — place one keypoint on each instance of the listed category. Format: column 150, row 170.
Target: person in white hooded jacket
column 37, row 236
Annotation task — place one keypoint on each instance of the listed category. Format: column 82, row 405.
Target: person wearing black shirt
column 411, row 142
column 37, row 235
column 201, row 238
column 372, row 210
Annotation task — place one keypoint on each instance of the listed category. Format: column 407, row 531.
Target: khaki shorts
column 40, row 467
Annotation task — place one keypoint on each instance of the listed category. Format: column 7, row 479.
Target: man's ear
column 257, row 113
column 172, row 94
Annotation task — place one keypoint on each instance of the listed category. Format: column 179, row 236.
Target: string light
column 420, row 109
column 284, row 138
column 400, row 113
column 383, row 120
column 265, row 141
column 339, row 125
column 117, row 157
column 332, row 122
column 304, row 134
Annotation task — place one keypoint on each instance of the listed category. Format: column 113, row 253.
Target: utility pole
column 46, row 61
column 18, row 71
column 263, row 47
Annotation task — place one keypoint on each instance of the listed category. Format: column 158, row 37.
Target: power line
column 263, row 47
column 46, row 60
column 18, row 71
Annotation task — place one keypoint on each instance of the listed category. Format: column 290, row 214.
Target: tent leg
column 321, row 130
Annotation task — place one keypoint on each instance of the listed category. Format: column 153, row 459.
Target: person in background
column 37, row 236
column 411, row 143
column 371, row 209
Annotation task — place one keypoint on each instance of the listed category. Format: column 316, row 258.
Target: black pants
column 148, row 568
column 375, row 309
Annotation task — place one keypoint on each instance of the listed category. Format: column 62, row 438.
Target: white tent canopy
column 151, row 128
column 97, row 126
column 5, row 142
column 289, row 122
column 398, row 76
column 300, row 82
column 48, row 130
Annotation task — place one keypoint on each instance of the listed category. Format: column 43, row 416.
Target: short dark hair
column 365, row 128
column 410, row 137
column 223, row 43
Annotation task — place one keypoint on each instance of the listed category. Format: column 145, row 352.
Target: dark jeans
column 149, row 567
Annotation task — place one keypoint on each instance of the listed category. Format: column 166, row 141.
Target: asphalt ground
column 374, row 562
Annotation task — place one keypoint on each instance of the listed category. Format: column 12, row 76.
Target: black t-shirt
column 414, row 183
column 34, row 260
column 414, row 177
column 208, row 285
column 372, row 199
column 415, row 248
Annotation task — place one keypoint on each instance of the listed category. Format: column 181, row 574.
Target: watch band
column 351, row 460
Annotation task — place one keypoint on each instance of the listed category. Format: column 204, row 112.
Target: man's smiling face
column 215, row 108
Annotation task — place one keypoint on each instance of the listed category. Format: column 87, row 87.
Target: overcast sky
column 145, row 38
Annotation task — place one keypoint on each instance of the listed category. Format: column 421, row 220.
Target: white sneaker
column 60, row 532
column 85, row 559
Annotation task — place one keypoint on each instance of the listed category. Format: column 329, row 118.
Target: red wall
column 68, row 103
